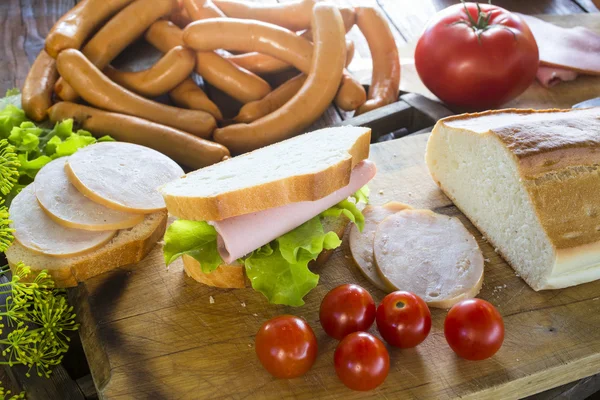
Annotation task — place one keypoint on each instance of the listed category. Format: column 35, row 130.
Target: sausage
column 74, row 28
column 95, row 88
column 310, row 102
column 237, row 82
column 168, row 72
column 36, row 96
column 183, row 147
column 307, row 34
column 202, row 9
column 351, row 94
column 271, row 102
column 259, row 63
column 263, row 64
column 385, row 79
column 118, row 33
column 349, row 51
column 180, row 17
column 255, row 36
column 294, row 15
column 189, row 95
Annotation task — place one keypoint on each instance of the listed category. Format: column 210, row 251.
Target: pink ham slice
column 552, row 76
column 576, row 49
column 240, row 235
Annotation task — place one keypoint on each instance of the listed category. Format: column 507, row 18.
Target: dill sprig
column 6, row 232
column 9, row 164
column 6, row 394
column 40, row 316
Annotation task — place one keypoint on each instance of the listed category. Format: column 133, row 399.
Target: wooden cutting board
column 154, row 333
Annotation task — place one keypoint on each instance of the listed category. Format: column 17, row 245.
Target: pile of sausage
column 305, row 35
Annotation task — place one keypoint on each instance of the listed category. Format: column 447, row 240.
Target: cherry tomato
column 361, row 361
column 403, row 319
column 476, row 56
column 286, row 346
column 474, row 329
column 346, row 309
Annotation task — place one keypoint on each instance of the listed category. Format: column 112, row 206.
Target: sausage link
column 36, row 96
column 95, row 88
column 310, row 102
column 183, row 147
column 293, row 15
column 255, row 36
column 74, row 28
column 202, row 9
column 237, row 82
column 189, row 95
column 385, row 79
column 263, row 64
column 168, row 72
column 271, row 102
column 118, row 33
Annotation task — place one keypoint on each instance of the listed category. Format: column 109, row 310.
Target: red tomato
column 346, row 309
column 286, row 346
column 476, row 60
column 361, row 361
column 403, row 319
column 474, row 329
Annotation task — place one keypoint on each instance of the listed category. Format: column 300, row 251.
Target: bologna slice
column 429, row 254
column 361, row 243
column 122, row 176
column 66, row 206
column 39, row 233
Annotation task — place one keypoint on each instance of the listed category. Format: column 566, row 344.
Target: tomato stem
column 483, row 21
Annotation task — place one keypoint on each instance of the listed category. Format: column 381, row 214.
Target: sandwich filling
column 274, row 245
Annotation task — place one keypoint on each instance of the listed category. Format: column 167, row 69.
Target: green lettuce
column 278, row 270
column 197, row 239
column 37, row 146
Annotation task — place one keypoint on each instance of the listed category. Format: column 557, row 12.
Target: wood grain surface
column 150, row 332
column 23, row 26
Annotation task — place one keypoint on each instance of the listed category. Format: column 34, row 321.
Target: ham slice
column 240, row 235
column 552, row 76
column 576, row 49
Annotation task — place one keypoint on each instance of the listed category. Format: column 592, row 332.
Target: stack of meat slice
column 93, row 211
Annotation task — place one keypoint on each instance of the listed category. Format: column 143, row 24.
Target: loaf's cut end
column 503, row 170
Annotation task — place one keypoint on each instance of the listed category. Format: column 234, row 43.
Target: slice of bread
column 234, row 275
column 529, row 181
column 128, row 246
column 304, row 168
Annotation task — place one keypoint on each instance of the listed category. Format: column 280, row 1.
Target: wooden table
column 25, row 23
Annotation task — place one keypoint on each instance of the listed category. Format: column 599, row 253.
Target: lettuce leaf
column 10, row 116
column 280, row 271
column 349, row 209
column 362, row 195
column 197, row 239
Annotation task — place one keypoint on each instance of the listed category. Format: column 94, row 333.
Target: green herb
column 5, row 394
column 40, row 317
column 12, row 92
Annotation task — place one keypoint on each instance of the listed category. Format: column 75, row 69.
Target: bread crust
column 558, row 157
column 308, row 187
column 68, row 272
column 230, row 276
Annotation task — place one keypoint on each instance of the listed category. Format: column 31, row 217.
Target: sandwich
column 262, row 218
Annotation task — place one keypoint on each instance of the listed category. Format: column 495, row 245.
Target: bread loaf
column 529, row 180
